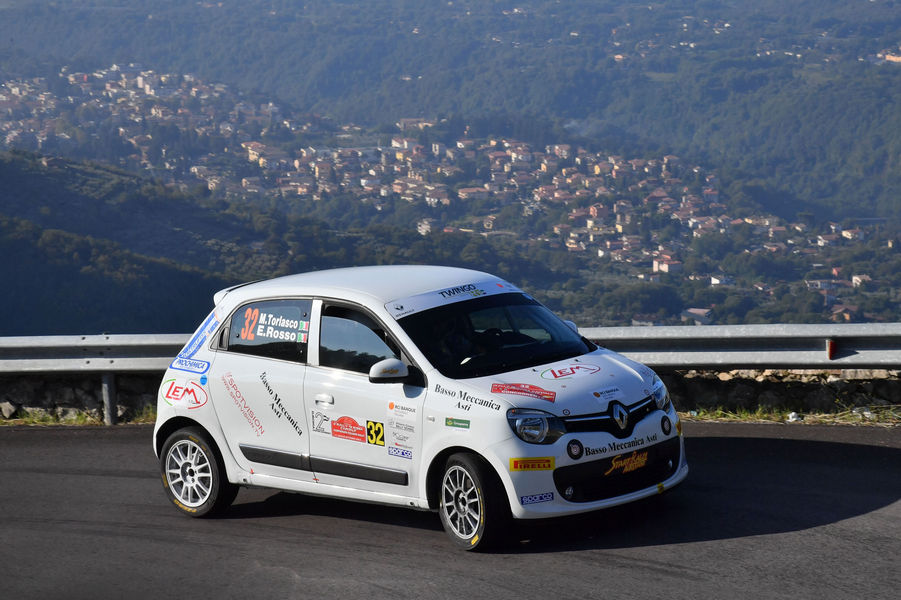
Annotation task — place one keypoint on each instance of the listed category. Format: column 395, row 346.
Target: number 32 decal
column 375, row 433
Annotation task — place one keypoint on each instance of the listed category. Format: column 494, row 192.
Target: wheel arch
column 173, row 425
column 436, row 471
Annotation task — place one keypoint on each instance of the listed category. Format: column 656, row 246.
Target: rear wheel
column 193, row 475
column 473, row 506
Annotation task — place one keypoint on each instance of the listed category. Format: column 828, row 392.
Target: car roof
column 376, row 284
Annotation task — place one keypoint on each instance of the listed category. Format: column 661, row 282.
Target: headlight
column 661, row 395
column 535, row 426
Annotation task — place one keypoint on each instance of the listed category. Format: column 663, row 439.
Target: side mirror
column 390, row 370
column 572, row 326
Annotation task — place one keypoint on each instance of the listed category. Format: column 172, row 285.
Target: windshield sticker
column 413, row 304
column 523, row 389
column 570, row 372
column 180, row 392
column 205, row 330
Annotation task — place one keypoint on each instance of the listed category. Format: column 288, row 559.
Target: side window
column 271, row 328
column 349, row 339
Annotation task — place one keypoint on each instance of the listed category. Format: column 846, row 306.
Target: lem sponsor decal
column 523, row 389
column 347, row 428
column 544, row 463
column 458, row 423
column 178, row 392
column 569, row 372
column 537, row 498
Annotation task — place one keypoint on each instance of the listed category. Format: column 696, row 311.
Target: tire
column 472, row 503
column 193, row 474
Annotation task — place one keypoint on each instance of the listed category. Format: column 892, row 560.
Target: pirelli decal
column 544, row 463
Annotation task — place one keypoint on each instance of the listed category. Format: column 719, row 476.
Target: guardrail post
column 108, row 391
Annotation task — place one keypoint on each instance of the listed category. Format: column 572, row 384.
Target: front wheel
column 473, row 506
column 194, row 479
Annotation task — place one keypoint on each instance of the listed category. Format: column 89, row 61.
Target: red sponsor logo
column 347, row 428
column 523, row 389
column 190, row 393
column 570, row 371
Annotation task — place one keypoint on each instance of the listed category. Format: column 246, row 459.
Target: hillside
column 797, row 98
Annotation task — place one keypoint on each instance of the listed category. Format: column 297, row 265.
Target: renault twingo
column 434, row 388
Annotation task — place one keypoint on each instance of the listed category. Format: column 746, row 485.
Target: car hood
column 582, row 385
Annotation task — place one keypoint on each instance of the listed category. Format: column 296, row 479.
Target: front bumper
column 610, row 475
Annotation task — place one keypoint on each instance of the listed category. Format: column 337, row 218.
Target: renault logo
column 620, row 415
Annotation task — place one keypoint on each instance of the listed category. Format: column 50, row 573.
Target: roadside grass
column 147, row 415
column 885, row 416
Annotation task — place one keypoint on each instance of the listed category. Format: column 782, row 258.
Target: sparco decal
column 536, row 498
column 188, row 393
column 523, row 389
column 544, row 463
column 401, row 452
column 570, row 372
column 232, row 388
column 633, row 462
column 278, row 407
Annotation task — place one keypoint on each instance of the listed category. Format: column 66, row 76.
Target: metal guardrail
column 90, row 353
column 725, row 347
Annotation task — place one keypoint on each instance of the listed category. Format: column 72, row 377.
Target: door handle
column 324, row 399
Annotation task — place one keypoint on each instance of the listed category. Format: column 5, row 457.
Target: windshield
column 491, row 335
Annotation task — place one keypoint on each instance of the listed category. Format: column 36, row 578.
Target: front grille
column 605, row 422
column 621, row 474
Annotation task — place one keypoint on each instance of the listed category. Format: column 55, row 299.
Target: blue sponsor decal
column 536, row 498
column 208, row 327
column 392, row 451
column 190, row 365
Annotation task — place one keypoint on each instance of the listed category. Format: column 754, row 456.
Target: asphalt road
column 768, row 511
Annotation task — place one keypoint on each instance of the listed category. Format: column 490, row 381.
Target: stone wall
column 66, row 397
column 798, row 391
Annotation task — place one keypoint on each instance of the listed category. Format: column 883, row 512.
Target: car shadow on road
column 737, row 487
column 260, row 503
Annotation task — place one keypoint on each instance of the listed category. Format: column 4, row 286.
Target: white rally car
column 428, row 387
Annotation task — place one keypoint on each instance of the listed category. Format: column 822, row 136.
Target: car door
column 257, row 379
column 363, row 435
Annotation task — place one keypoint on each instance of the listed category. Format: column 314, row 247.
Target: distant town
column 640, row 213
